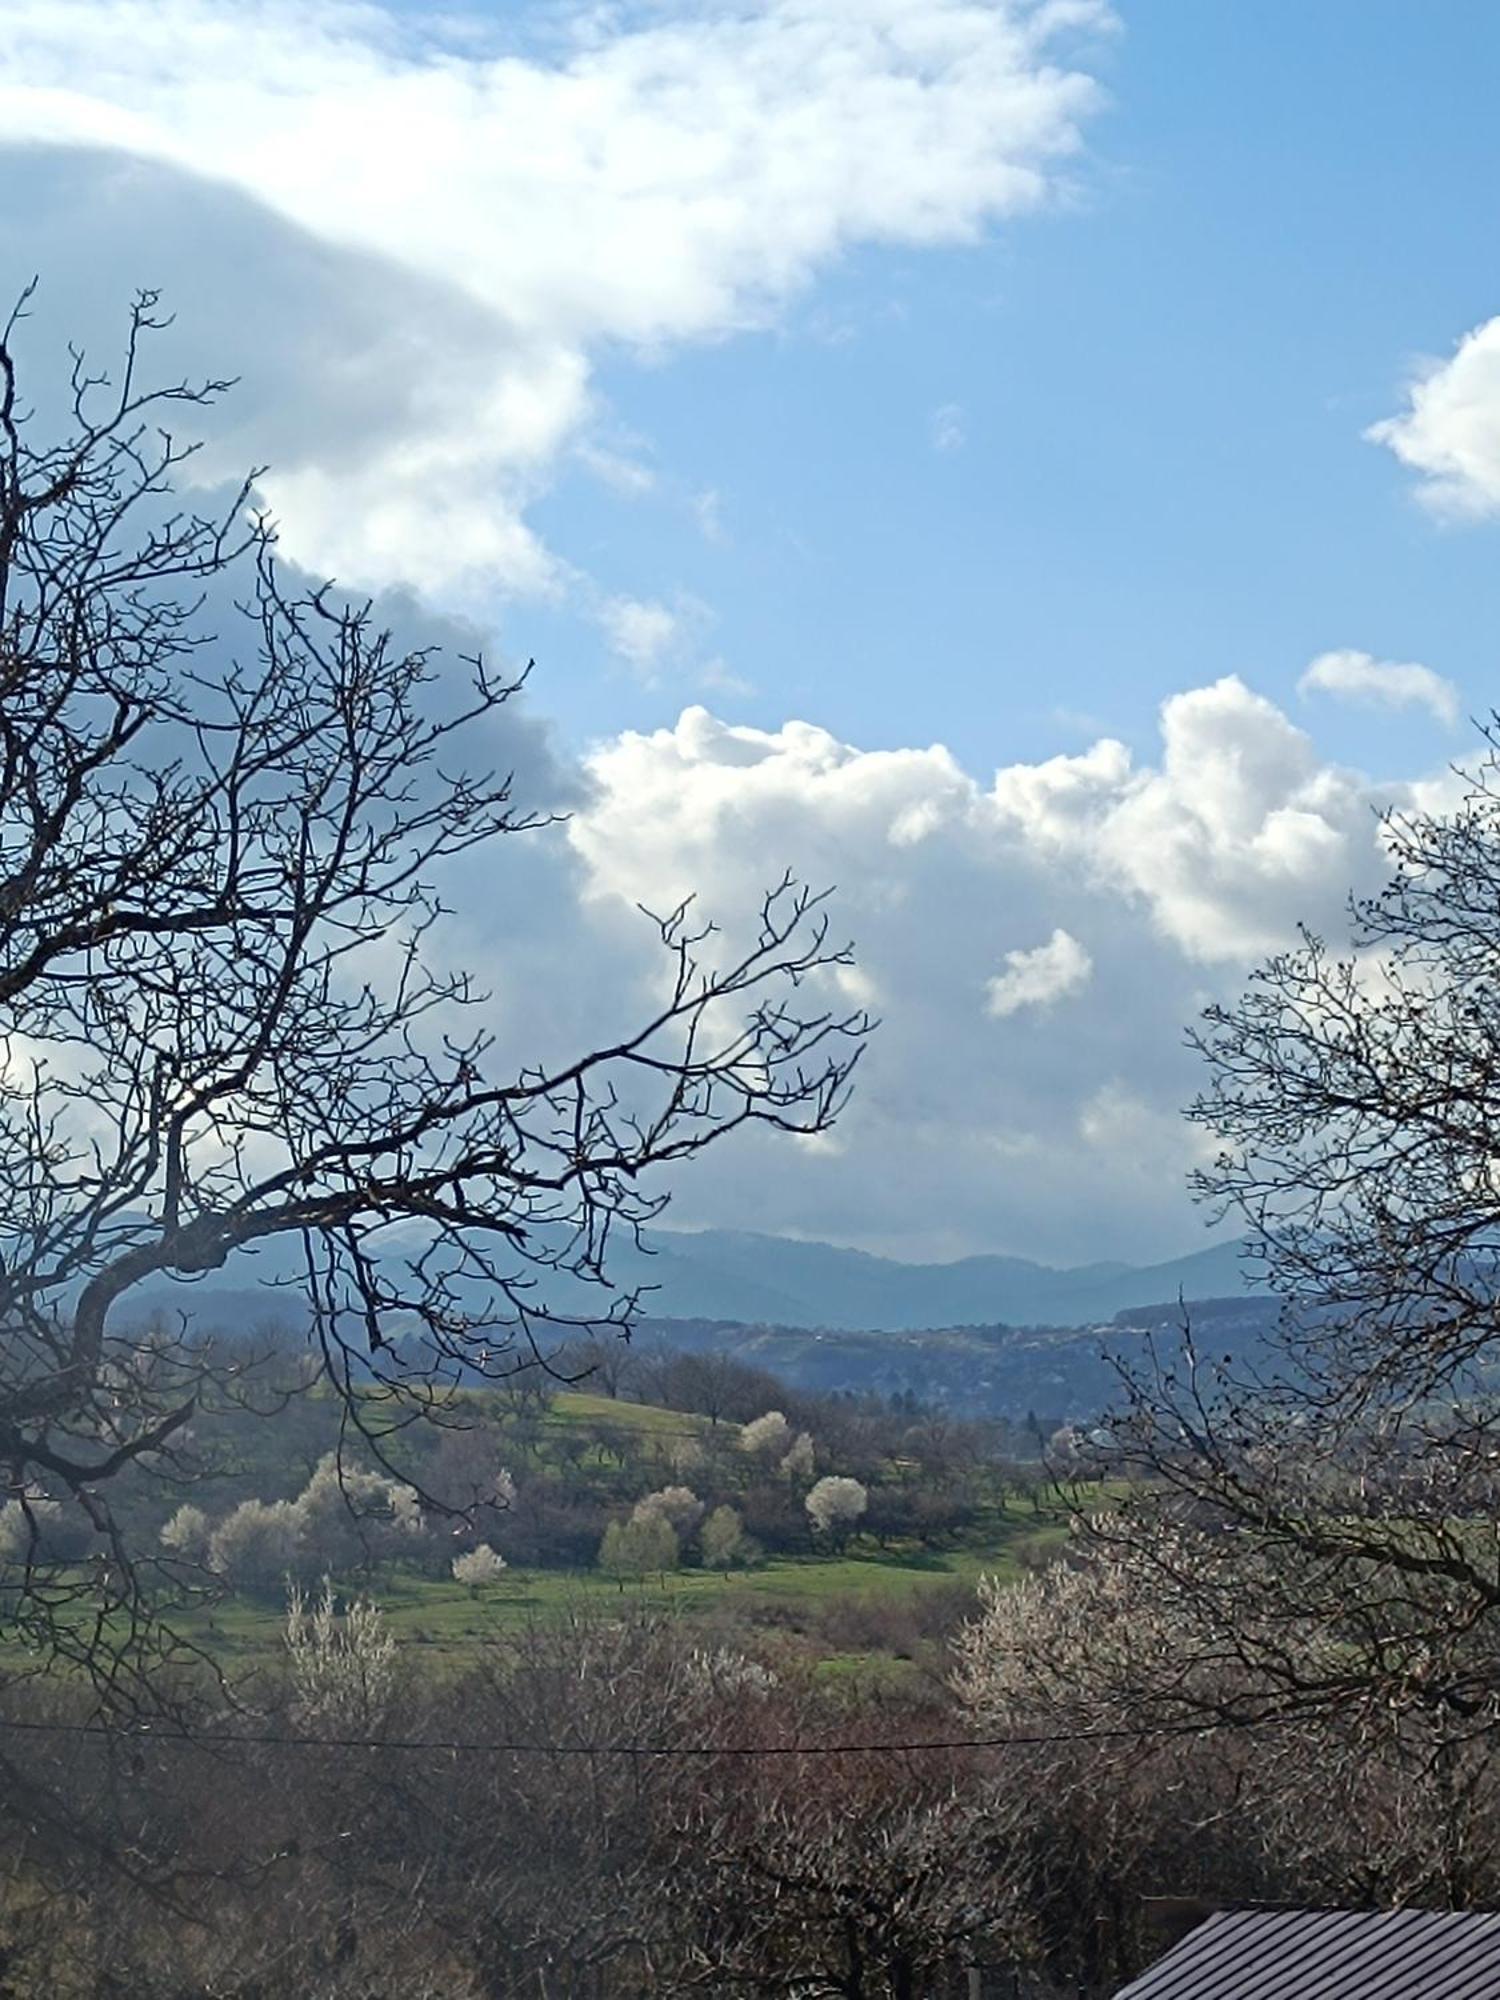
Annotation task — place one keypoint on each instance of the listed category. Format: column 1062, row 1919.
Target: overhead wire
column 142, row 1734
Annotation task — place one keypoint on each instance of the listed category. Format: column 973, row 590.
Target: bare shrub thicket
column 610, row 1806
column 565, row 1870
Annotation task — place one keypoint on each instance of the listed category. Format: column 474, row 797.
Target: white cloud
column 641, row 632
column 616, row 469
column 658, row 642
column 708, row 511
column 1022, row 1130
column 646, row 179
column 947, row 428
column 1239, row 823
column 718, row 677
column 1359, row 677
column 1040, row 977
column 1450, row 429
column 1153, row 1138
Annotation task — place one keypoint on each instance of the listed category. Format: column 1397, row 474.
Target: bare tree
column 605, row 1363
column 227, row 1020
column 1319, row 1521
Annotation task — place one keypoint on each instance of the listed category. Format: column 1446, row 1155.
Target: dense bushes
column 534, row 1858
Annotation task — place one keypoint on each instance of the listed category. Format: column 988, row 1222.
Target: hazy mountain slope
column 722, row 1274
column 1216, row 1273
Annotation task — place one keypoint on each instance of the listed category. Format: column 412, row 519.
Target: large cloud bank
column 1034, row 946
column 481, row 217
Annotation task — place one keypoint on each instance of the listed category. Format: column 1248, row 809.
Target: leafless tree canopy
column 226, row 1013
column 1316, row 1532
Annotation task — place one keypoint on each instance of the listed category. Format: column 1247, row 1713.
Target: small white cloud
column 708, row 509
column 947, row 428
column 718, row 676
column 615, row 469
column 1358, row 677
column 1038, row 978
column 656, row 640
column 641, row 632
column 1450, row 429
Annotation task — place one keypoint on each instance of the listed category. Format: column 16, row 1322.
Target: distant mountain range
column 726, row 1274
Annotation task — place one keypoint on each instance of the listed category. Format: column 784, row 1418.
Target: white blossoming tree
column 834, row 1505
column 769, row 1436
column 187, row 1533
column 679, row 1506
column 257, row 1545
column 639, row 1547
column 724, row 1543
column 343, row 1666
column 800, row 1461
column 478, row 1568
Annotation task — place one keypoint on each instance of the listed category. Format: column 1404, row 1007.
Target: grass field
column 452, row 1620
column 572, row 1406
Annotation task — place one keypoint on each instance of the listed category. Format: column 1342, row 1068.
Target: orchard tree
column 343, row 1660
column 187, row 1533
column 678, row 1506
column 227, row 1018
column 768, row 1436
column 835, row 1504
column 800, row 1460
column 645, row 1543
column 479, row 1567
column 724, row 1543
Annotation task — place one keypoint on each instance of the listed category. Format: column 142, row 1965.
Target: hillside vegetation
column 733, row 1499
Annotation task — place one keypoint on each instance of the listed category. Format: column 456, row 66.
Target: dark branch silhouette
column 227, row 1018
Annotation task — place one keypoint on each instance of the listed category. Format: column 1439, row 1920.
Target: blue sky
column 846, row 401
column 1161, row 393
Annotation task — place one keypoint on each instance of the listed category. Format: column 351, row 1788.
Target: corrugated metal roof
column 1330, row 1955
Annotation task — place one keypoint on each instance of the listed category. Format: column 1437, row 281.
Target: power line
column 141, row 1734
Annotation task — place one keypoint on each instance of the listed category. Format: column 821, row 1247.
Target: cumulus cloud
column 1027, row 1127
column 1239, row 822
column 531, row 193
column 1037, row 978
column 1449, row 431
column 1358, row 677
